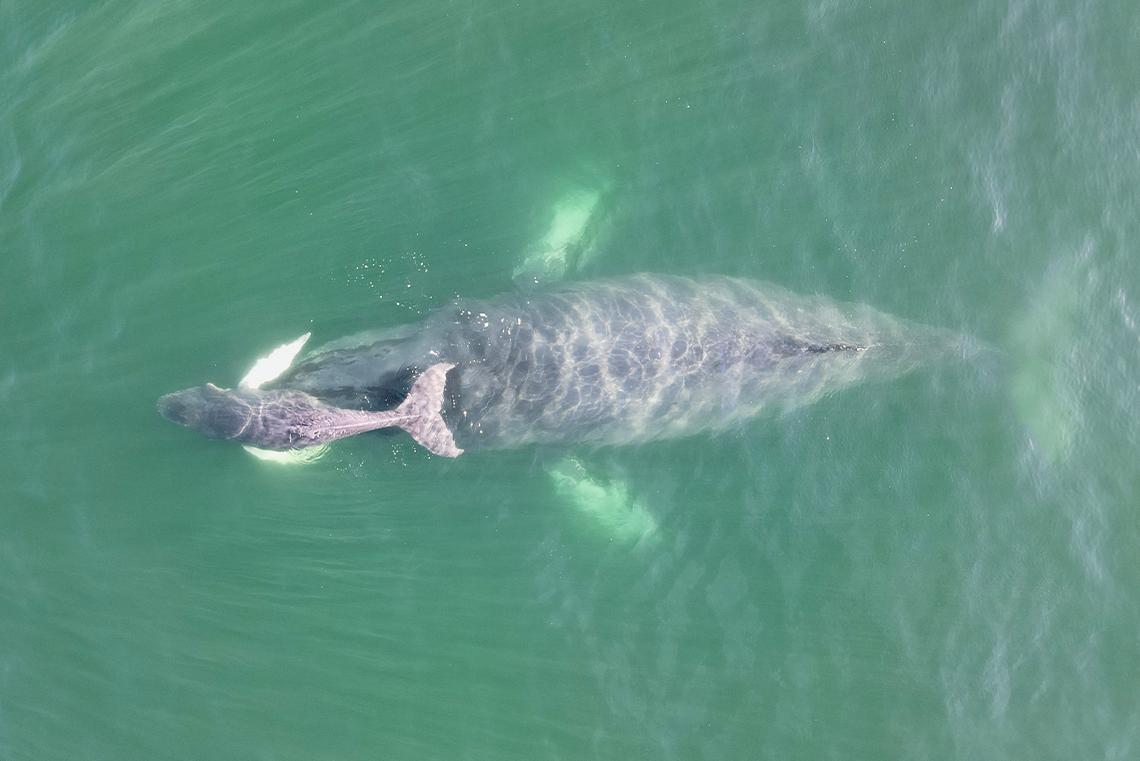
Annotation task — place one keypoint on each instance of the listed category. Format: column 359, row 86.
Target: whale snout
column 176, row 408
column 206, row 409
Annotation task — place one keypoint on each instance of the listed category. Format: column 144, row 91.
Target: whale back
column 649, row 357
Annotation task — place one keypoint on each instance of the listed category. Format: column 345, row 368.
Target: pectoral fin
column 269, row 367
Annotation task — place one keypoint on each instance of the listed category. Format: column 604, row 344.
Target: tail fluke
column 419, row 413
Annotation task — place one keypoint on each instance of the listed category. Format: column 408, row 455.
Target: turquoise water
column 946, row 566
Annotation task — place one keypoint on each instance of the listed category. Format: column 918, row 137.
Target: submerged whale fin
column 419, row 413
column 567, row 245
column 269, row 367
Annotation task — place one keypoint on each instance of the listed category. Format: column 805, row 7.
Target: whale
column 617, row 362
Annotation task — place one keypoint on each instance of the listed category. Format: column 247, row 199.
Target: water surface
column 941, row 567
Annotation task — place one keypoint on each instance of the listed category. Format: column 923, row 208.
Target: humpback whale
column 617, row 361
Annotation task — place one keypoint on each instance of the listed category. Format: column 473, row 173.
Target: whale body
column 618, row 361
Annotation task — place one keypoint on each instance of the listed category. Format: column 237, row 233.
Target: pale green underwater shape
column 565, row 247
column 1042, row 391
column 609, row 504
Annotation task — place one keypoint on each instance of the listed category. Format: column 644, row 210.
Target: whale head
column 266, row 419
column 214, row 412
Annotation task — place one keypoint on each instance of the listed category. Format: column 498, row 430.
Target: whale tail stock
column 418, row 415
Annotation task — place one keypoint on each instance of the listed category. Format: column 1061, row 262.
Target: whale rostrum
column 616, row 361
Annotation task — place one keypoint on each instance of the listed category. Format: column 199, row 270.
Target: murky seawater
column 943, row 566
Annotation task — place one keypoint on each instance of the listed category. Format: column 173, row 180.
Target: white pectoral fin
column 563, row 248
column 269, row 367
column 288, row 456
column 609, row 502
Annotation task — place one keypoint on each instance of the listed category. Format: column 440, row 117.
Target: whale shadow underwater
column 619, row 361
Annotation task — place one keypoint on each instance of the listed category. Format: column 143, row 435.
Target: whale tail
column 419, row 413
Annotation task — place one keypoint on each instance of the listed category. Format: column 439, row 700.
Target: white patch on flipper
column 264, row 370
column 288, row 456
column 609, row 503
column 269, row 367
column 563, row 248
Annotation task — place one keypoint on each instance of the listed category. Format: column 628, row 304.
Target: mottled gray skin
column 290, row 419
column 622, row 361
column 277, row 420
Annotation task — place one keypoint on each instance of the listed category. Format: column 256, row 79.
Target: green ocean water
column 945, row 566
